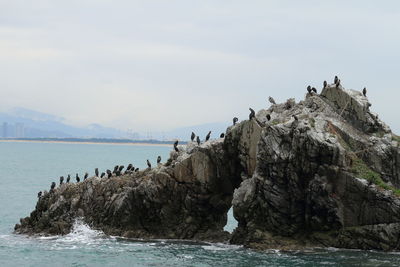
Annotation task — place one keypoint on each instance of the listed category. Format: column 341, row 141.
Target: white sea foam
column 82, row 233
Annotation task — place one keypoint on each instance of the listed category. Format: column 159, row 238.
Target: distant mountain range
column 25, row 123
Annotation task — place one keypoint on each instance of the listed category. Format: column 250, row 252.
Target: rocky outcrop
column 321, row 172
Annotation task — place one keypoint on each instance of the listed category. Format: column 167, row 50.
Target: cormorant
column 192, row 136
column 198, row 140
column 77, row 178
column 115, row 169
column 314, row 90
column 365, row 91
column 208, row 136
column 109, row 173
column 137, row 169
column 68, row 178
column 309, row 89
column 235, row 120
column 53, row 185
column 61, row 180
column 271, row 100
column 338, row 83
column 102, row 175
column 96, row 172
column 118, row 173
column 252, row 113
column 176, row 146
column 121, row 168
column 148, row 164
column 129, row 167
column 268, row 117
column 336, row 79
column 222, row 135
column 158, row 159
column 325, row 84
column 86, row 176
column 39, row 195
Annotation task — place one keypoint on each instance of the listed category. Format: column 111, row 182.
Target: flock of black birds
column 118, row 170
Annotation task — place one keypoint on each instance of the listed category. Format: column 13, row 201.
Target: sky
column 159, row 65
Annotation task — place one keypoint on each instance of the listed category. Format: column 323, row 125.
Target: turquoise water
column 26, row 168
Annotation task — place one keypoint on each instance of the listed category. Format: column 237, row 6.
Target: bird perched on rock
column 314, row 90
column 115, row 168
column 272, row 101
column 176, row 146
column 198, row 140
column 118, row 173
column 235, row 120
column 137, row 169
column 192, row 136
column 96, row 172
column 222, row 135
column 336, row 79
column 53, row 185
column 268, row 117
column 252, row 113
column 77, row 178
column 39, row 195
column 158, row 159
column 121, row 168
column 309, row 89
column 325, row 84
column 148, row 164
column 68, row 178
column 338, row 83
column 365, row 91
column 208, row 136
column 109, row 173
column 86, row 176
column 102, row 175
column 129, row 167
column 61, row 180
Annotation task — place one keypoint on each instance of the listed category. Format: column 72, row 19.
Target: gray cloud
column 157, row 65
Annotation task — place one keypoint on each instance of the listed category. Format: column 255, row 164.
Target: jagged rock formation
column 322, row 172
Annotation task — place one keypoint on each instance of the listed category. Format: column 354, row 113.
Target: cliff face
column 322, row 172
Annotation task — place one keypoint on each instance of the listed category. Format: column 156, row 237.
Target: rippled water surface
column 26, row 168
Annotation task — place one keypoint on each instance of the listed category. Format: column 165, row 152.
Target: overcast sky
column 158, row 65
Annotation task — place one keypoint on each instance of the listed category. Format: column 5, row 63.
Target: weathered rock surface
column 322, row 172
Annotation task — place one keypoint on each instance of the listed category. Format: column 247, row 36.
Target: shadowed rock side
column 187, row 198
column 321, row 172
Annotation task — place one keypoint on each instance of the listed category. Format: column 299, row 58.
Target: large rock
column 321, row 172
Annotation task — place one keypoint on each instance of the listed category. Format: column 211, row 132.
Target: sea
column 28, row 167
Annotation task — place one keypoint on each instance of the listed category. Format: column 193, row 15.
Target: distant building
column 5, row 130
column 19, row 130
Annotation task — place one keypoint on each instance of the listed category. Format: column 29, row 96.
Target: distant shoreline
column 90, row 141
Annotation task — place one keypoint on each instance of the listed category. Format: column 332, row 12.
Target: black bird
column 129, row 167
column 118, row 173
column 235, row 120
column 96, row 172
column 192, row 136
column 222, row 135
column 61, row 180
column 53, row 185
column 365, row 91
column 325, row 84
column 148, row 164
column 314, row 90
column 158, row 159
column 86, row 176
column 121, row 168
column 109, row 174
column 198, row 140
column 295, row 118
column 115, row 169
column 39, row 195
column 268, row 117
column 309, row 89
column 338, row 83
column 336, row 79
column 77, row 178
column 252, row 113
column 176, row 146
column 137, row 169
column 208, row 136
column 68, row 178
column 102, row 175
column 271, row 100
